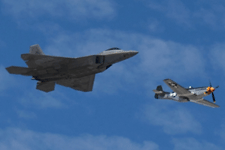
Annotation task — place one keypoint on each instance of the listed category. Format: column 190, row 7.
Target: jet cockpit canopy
column 113, row 48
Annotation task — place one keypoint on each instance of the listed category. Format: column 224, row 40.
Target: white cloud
column 193, row 144
column 155, row 26
column 173, row 9
column 17, row 139
column 71, row 9
column 170, row 58
column 217, row 56
column 5, row 79
column 209, row 13
column 173, row 120
column 207, row 16
column 221, row 131
column 39, row 99
column 25, row 114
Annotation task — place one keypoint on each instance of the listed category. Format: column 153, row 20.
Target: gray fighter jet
column 190, row 94
column 77, row 73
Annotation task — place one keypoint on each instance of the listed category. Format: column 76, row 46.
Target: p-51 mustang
column 76, row 73
column 190, row 94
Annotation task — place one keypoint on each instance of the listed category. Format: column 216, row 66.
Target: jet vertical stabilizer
column 36, row 49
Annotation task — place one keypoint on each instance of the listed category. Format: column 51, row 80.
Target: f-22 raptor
column 190, row 94
column 76, row 73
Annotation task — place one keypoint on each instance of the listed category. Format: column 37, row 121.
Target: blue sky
column 181, row 40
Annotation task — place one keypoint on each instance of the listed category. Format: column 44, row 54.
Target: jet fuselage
column 78, row 68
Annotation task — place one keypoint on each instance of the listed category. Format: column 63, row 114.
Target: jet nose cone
column 132, row 53
column 129, row 54
column 135, row 52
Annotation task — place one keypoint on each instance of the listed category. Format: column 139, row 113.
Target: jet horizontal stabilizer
column 45, row 86
column 19, row 70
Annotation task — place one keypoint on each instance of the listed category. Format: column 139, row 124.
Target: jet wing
column 181, row 91
column 205, row 102
column 84, row 84
column 45, row 61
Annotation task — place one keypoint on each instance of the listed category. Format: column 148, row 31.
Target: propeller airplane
column 190, row 94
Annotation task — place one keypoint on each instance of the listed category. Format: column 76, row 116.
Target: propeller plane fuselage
column 200, row 92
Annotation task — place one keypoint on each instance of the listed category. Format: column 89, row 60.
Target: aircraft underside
column 69, row 74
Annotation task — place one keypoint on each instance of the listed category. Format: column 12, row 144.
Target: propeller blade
column 210, row 83
column 213, row 97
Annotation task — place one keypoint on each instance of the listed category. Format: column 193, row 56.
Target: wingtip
column 166, row 79
column 216, row 106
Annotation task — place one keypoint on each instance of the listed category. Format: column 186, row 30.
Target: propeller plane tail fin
column 159, row 91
